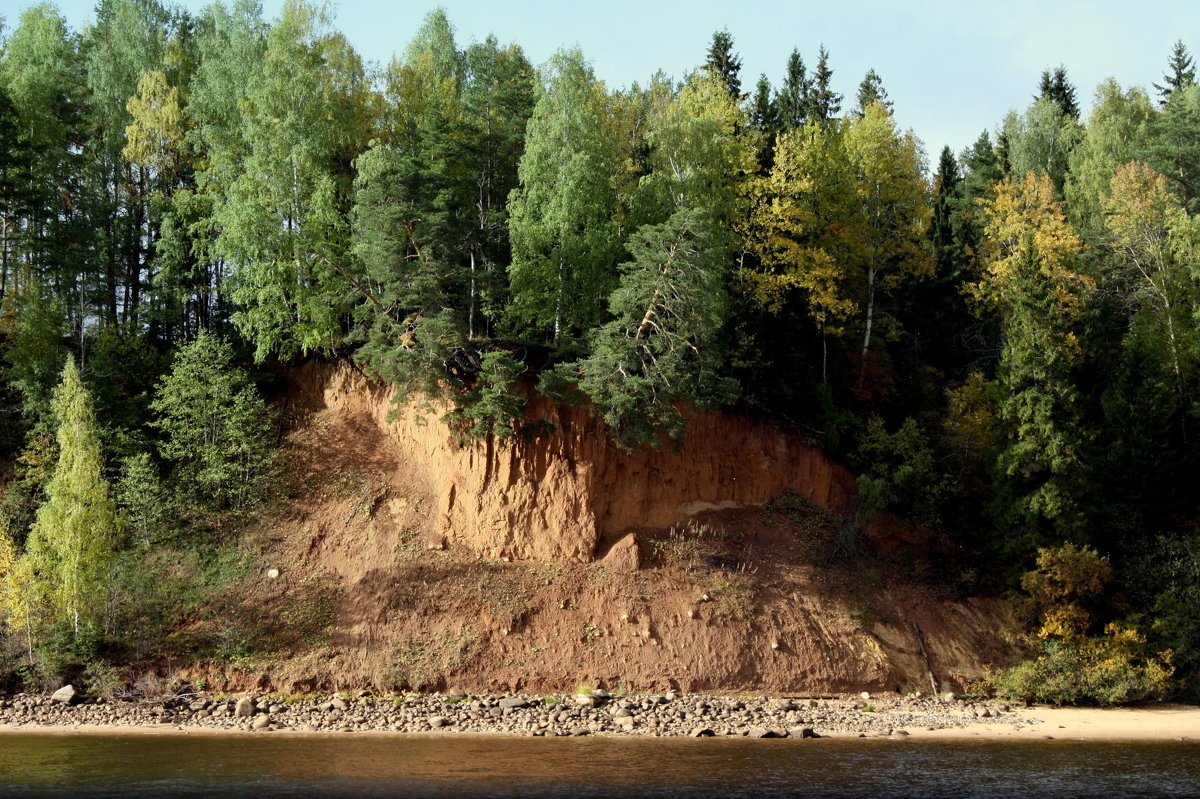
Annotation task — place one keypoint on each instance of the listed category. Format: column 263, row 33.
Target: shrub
column 1111, row 669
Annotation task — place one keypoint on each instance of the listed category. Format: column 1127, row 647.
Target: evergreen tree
column 216, row 432
column 948, row 248
column 823, row 103
column 76, row 531
column 1181, row 75
column 1056, row 88
column 723, row 63
column 871, row 91
column 792, row 100
column 764, row 110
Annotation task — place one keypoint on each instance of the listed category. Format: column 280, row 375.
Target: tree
column 895, row 210
column 1058, row 90
column 564, row 242
column 1145, row 222
column 792, row 100
column 1174, row 146
column 871, row 91
column 76, row 531
column 1030, row 277
column 824, row 104
column 662, row 347
column 1118, row 131
column 282, row 222
column 660, row 350
column 723, row 63
column 216, row 432
column 1181, row 75
column 1040, row 141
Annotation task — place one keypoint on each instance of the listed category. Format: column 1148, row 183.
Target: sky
column 952, row 68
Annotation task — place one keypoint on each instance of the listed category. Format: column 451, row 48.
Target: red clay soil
column 406, row 560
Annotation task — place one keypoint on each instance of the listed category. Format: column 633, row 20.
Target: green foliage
column 145, row 500
column 1069, row 665
column 661, row 349
column 217, row 435
column 899, row 471
column 37, row 352
column 72, row 540
column 564, row 242
column 491, row 407
column 1112, row 669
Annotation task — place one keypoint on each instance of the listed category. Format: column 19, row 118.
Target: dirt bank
column 403, row 559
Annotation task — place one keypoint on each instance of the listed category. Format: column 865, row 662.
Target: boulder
column 261, row 722
column 67, row 695
column 244, row 708
column 623, row 557
column 514, row 702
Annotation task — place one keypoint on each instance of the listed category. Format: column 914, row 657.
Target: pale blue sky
column 951, row 68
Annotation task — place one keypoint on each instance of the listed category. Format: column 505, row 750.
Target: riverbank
column 666, row 715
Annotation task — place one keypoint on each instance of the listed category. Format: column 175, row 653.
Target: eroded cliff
column 403, row 559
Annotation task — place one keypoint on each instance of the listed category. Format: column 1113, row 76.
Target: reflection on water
column 454, row 766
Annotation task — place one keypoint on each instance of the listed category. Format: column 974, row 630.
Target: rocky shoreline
column 592, row 713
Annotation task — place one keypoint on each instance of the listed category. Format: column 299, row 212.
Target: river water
column 272, row 765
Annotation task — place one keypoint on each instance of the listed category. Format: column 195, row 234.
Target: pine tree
column 1182, row 72
column 72, row 540
column 725, row 64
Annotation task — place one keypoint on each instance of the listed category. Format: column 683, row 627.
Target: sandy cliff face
column 406, row 560
column 562, row 497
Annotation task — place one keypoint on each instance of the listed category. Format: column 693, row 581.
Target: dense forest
column 1003, row 342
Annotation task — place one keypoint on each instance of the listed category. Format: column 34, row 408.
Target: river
column 272, row 765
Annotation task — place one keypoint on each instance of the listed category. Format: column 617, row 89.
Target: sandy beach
column 1146, row 723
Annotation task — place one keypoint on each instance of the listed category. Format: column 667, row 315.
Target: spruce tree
column 792, row 100
column 871, row 91
column 1181, row 75
column 72, row 540
column 824, row 104
column 725, row 64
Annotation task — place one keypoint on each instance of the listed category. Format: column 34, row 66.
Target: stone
column 273, row 574
column 623, row 557
column 585, row 700
column 438, row 722
column 802, row 732
column 702, row 732
column 67, row 695
column 624, row 722
column 244, row 707
column 261, row 721
column 514, row 702
column 337, row 703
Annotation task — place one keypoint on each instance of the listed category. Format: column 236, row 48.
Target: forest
column 1004, row 342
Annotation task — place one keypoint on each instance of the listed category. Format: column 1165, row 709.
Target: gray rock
column 802, row 732
column 261, row 721
column 514, row 702
column 624, row 722
column 438, row 722
column 337, row 703
column 65, row 695
column 244, row 707
column 702, row 732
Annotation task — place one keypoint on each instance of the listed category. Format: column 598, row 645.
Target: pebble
column 671, row 714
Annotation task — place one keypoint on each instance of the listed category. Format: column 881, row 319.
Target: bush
column 1111, row 669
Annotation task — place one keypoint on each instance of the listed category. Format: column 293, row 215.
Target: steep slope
column 406, row 560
